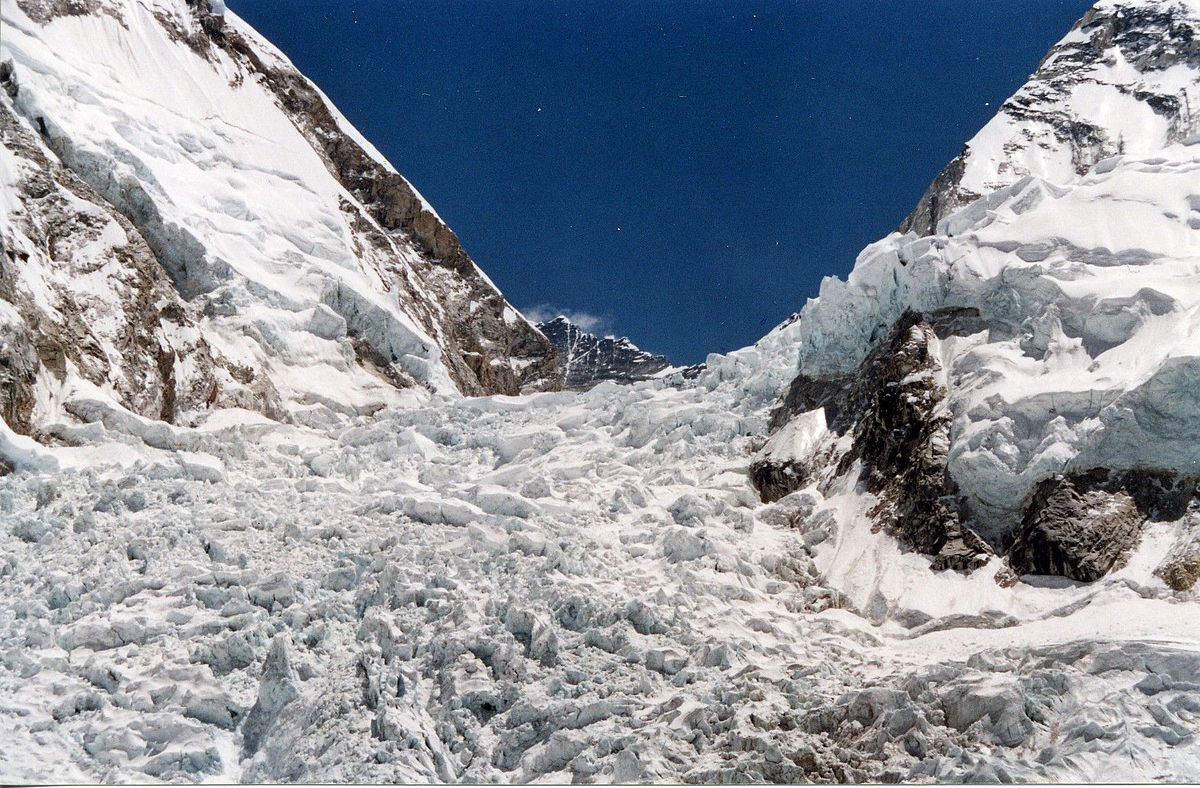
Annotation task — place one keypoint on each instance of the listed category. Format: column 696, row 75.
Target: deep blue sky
column 684, row 171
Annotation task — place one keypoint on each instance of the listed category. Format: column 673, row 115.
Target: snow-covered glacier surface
column 376, row 580
column 565, row 586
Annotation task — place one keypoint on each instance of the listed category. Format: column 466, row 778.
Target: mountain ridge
column 1125, row 48
column 351, row 275
column 585, row 359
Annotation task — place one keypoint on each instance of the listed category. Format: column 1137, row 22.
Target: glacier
column 293, row 496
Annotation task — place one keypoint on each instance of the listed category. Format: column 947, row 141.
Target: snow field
column 558, row 586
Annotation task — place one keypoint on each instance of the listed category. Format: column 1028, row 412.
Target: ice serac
column 188, row 222
column 1012, row 379
column 585, row 359
column 84, row 304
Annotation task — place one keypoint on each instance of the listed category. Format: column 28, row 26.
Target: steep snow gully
column 291, row 493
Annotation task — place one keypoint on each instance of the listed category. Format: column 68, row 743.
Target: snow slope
column 305, row 261
column 1121, row 82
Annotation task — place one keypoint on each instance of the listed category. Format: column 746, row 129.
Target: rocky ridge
column 1118, row 84
column 585, row 359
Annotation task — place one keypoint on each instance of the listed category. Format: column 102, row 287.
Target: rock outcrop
column 892, row 413
column 1079, row 526
column 892, row 410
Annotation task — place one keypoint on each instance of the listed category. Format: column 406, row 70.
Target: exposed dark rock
column 585, row 359
column 43, row 11
column 774, row 480
column 1074, row 533
column 1080, row 525
column 1150, row 37
column 807, row 393
column 8, row 80
column 891, row 406
column 1077, row 526
column 213, row 23
column 942, row 197
column 18, row 373
column 1181, row 569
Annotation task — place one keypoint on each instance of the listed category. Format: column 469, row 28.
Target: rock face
column 1075, row 533
column 1056, row 126
column 188, row 223
column 893, row 412
column 1079, row 526
column 890, row 419
column 585, row 359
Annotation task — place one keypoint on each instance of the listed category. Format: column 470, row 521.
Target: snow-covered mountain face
column 941, row 527
column 188, row 224
column 1022, row 381
column 585, row 359
column 1121, row 83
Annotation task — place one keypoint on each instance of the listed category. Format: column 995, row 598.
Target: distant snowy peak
column 585, row 359
column 187, row 223
column 1122, row 82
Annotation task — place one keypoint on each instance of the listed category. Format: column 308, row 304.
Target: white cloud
column 593, row 324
